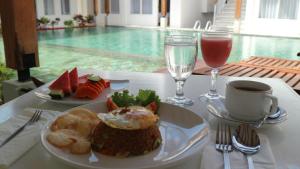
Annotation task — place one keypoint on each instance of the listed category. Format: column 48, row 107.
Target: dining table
column 284, row 137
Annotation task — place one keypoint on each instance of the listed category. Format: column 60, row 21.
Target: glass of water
column 181, row 55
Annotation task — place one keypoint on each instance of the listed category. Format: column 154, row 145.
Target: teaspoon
column 246, row 141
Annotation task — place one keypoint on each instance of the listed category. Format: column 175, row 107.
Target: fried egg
column 129, row 118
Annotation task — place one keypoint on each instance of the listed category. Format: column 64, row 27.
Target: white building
column 127, row 12
column 265, row 17
column 272, row 17
column 256, row 16
column 130, row 12
column 63, row 9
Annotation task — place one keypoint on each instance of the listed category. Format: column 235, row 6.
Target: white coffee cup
column 249, row 100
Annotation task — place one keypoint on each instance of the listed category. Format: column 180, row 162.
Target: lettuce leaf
column 146, row 97
column 143, row 98
column 123, row 99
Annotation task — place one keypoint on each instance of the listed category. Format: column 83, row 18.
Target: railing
column 219, row 6
column 197, row 25
column 208, row 26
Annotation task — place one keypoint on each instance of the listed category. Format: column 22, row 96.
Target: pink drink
column 215, row 51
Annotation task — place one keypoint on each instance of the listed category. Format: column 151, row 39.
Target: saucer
column 218, row 109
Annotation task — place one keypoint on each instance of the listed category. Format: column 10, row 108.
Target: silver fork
column 224, row 143
column 35, row 117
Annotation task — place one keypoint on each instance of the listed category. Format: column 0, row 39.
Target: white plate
column 218, row 109
column 177, row 127
column 116, row 85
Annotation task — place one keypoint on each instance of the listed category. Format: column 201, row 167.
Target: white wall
column 208, row 5
column 125, row 18
column 183, row 14
column 256, row 25
column 143, row 19
column 175, row 13
column 191, row 12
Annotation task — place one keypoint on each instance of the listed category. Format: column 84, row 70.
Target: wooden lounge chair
column 287, row 70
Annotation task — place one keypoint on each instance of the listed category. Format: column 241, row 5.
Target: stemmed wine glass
column 215, row 47
column 181, row 55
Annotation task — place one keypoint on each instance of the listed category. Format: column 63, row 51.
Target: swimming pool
column 133, row 49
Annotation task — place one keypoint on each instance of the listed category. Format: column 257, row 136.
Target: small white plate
column 115, row 85
column 177, row 127
column 218, row 109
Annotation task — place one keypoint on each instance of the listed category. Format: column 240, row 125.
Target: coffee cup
column 249, row 100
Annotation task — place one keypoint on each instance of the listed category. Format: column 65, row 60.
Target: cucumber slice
column 94, row 78
column 57, row 94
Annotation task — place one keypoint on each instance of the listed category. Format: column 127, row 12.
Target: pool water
column 133, row 49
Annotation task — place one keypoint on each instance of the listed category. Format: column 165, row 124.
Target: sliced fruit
column 74, row 79
column 107, row 83
column 57, row 94
column 62, row 83
column 101, row 84
column 111, row 105
column 94, row 86
column 86, row 92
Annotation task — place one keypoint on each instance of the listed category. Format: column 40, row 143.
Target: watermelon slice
column 62, row 83
column 74, row 79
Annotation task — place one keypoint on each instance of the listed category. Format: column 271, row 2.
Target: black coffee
column 249, row 89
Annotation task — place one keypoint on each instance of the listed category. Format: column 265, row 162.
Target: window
column 135, row 7
column 268, row 9
column 141, row 6
column 288, row 9
column 147, row 6
column 279, row 9
column 65, row 7
column 49, row 7
column 115, row 6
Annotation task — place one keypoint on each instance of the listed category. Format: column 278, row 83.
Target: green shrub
column 5, row 74
column 90, row 18
column 44, row 20
column 69, row 23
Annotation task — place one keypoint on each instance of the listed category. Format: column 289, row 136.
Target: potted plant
column 69, row 23
column 80, row 20
column 43, row 21
column 90, row 19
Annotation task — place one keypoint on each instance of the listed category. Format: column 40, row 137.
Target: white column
column 90, row 7
column 40, row 9
column 57, row 8
column 175, row 13
column 78, row 7
column 251, row 15
column 84, row 4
